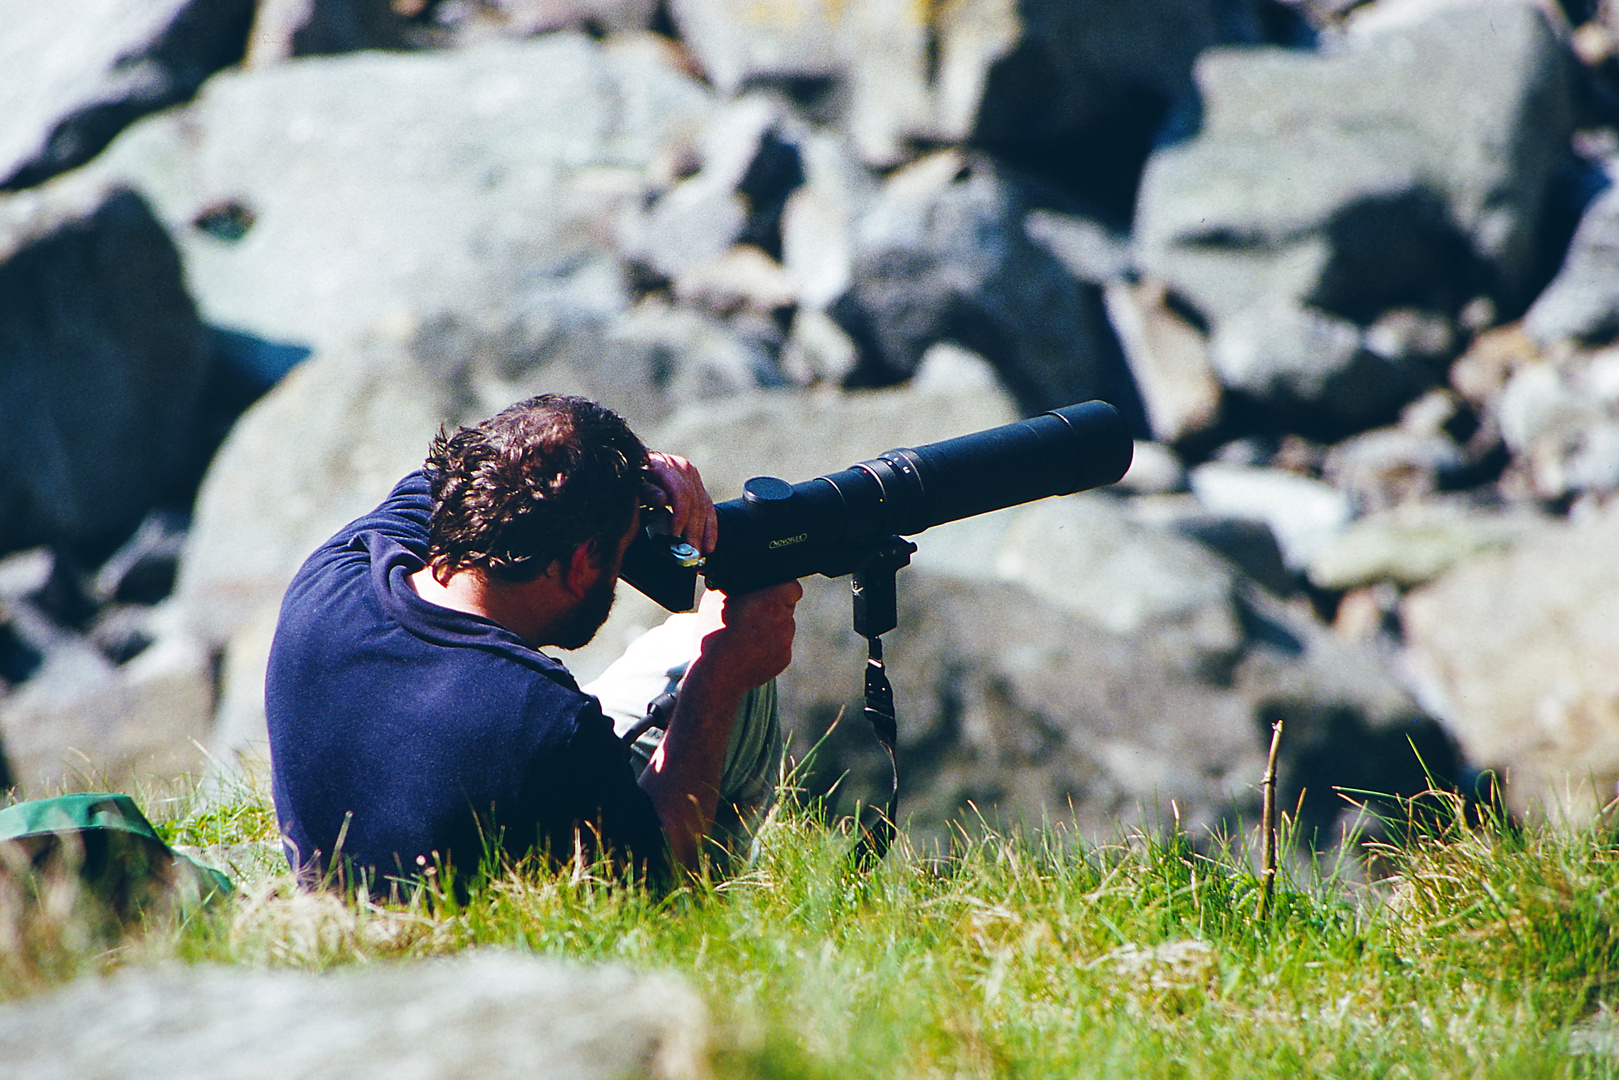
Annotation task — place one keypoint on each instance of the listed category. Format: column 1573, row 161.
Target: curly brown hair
column 523, row 489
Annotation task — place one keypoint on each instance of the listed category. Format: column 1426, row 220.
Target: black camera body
column 835, row 524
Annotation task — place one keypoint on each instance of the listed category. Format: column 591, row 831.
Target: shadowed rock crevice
column 104, row 362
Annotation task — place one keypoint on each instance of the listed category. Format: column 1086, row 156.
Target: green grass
column 1478, row 954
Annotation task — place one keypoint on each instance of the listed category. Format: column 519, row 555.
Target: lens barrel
column 778, row 531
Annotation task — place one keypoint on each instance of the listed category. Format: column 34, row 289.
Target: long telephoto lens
column 779, row 531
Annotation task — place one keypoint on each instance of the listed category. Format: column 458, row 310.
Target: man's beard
column 588, row 617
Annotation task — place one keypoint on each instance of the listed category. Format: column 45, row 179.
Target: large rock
column 877, row 51
column 1582, row 302
column 1012, row 73
column 74, row 73
column 1086, row 557
column 943, row 254
column 1405, row 169
column 314, row 199
column 1364, row 18
column 103, row 365
column 763, row 223
column 660, row 356
column 1303, row 513
column 797, row 436
column 1093, row 249
column 239, row 745
column 512, row 1015
column 751, row 161
column 996, row 72
column 1521, row 652
column 818, row 220
column 1247, row 542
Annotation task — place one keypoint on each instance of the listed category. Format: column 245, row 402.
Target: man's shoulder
column 454, row 691
column 403, row 516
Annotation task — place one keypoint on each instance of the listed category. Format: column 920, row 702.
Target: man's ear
column 581, row 569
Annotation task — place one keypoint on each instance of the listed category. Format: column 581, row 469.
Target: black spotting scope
column 834, row 524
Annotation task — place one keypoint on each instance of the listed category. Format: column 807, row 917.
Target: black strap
column 876, row 611
column 879, row 710
column 658, row 714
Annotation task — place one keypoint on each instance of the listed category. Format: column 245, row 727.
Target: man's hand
column 747, row 640
column 691, row 511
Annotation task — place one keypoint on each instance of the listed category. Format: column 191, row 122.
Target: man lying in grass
column 414, row 723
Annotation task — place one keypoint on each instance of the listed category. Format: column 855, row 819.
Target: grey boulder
column 1169, row 360
column 943, row 255
column 1520, row 653
column 1406, row 168
column 750, row 163
column 314, row 200
column 1411, row 545
column 1312, row 367
column 796, row 436
column 1582, row 301
column 74, row 73
column 1015, row 73
column 875, row 50
column 319, row 450
column 502, row 1015
column 1303, row 513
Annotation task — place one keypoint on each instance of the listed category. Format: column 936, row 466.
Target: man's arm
column 746, row 641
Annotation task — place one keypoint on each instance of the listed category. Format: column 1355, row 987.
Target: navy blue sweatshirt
column 418, row 734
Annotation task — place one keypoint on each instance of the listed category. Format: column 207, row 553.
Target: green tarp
column 105, row 841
